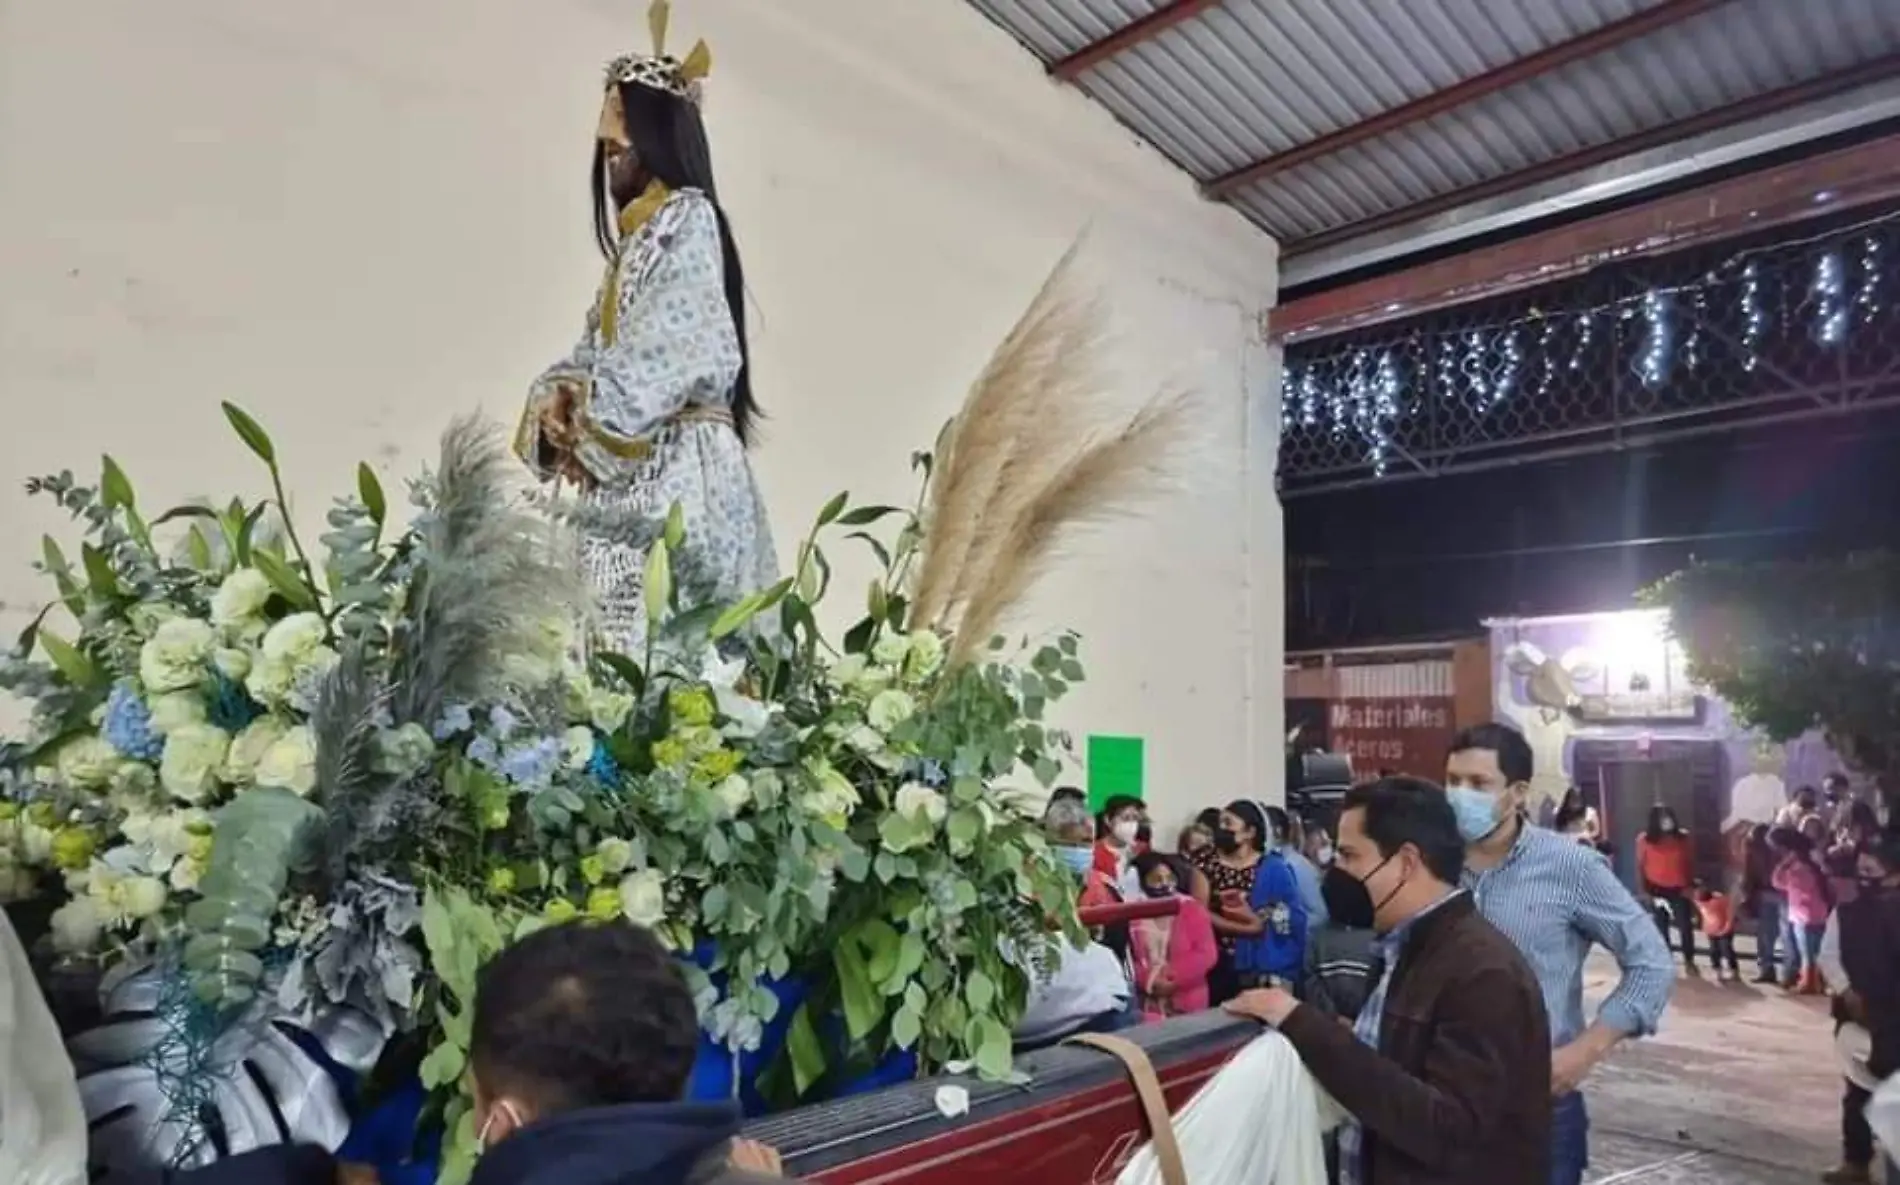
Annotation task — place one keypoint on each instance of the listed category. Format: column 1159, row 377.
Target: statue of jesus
column 654, row 405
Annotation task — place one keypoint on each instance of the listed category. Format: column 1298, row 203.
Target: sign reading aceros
column 1407, row 735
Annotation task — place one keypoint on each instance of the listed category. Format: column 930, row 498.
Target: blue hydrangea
column 128, row 725
column 502, row 721
column 455, row 719
column 533, row 763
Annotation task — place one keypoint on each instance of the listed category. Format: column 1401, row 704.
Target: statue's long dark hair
column 669, row 140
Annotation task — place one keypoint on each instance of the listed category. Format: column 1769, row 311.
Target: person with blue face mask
column 1554, row 899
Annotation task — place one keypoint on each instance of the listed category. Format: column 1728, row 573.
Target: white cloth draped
column 42, row 1128
column 1260, row 1121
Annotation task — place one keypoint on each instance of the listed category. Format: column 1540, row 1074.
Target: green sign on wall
column 1115, row 766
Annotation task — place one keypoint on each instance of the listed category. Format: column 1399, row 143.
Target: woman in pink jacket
column 1171, row 956
column 1798, row 878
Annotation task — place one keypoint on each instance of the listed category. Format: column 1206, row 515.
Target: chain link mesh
column 1684, row 344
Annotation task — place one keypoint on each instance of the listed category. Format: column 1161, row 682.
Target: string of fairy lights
column 1364, row 393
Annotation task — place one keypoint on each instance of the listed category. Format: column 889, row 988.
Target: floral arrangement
column 298, row 782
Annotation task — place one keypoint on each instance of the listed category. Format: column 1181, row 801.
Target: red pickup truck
column 1077, row 1121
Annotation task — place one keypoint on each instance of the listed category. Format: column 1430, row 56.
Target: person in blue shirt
column 1555, row 898
column 1258, row 913
column 1304, row 870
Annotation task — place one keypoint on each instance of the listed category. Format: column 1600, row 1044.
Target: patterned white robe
column 654, row 419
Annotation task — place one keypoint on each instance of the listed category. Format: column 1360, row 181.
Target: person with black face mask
column 1860, row 960
column 1446, row 1071
column 1257, row 911
column 1171, row 955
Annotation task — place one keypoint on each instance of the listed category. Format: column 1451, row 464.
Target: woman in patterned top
column 1255, row 906
column 654, row 406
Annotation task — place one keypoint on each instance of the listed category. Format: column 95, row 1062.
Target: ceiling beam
column 1855, row 176
column 1523, row 69
column 1717, row 119
column 1128, row 36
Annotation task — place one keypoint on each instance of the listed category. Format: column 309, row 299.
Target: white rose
column 240, row 598
column 616, row 855
column 232, row 663
column 240, row 763
column 144, row 897
column 175, row 710
column 890, row 650
column 734, row 794
column 864, row 739
column 846, row 671
column 175, row 657
column 579, row 742
column 133, row 782
column 87, row 763
column 925, row 654
column 643, row 897
column 914, row 801
column 77, row 926
column 193, row 757
column 608, row 710
column 889, row 709
column 291, row 762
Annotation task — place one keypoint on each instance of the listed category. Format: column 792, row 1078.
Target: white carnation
column 77, row 926
column 144, row 897
column 175, row 658
column 240, row 763
column 194, row 756
column 175, row 710
column 240, row 598
column 290, row 762
column 734, row 794
column 889, row 709
column 925, row 654
column 87, row 763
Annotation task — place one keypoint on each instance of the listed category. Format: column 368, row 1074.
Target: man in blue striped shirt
column 1555, row 898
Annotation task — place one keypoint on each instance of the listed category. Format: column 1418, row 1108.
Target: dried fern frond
column 1105, row 480
column 343, row 723
column 492, row 569
column 999, row 445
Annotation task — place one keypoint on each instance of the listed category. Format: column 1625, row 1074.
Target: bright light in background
column 1634, row 646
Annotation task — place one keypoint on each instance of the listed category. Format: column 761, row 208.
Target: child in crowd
column 1718, row 925
column 1800, row 880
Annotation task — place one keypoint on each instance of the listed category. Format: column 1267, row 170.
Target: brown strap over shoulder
column 1154, row 1104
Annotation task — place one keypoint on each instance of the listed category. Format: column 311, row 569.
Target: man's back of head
column 580, row 1016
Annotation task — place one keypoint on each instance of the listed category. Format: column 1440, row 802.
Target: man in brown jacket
column 1447, row 1069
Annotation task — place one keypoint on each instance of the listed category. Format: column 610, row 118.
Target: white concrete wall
column 358, row 219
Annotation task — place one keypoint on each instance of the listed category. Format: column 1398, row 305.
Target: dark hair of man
column 584, row 1015
column 1070, row 793
column 1403, row 810
column 1514, row 752
column 1280, row 821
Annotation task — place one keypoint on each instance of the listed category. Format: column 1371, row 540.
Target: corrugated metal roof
column 1249, row 78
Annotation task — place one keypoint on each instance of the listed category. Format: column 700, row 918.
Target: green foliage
column 1796, row 645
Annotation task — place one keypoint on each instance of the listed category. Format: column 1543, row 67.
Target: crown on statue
column 659, row 70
